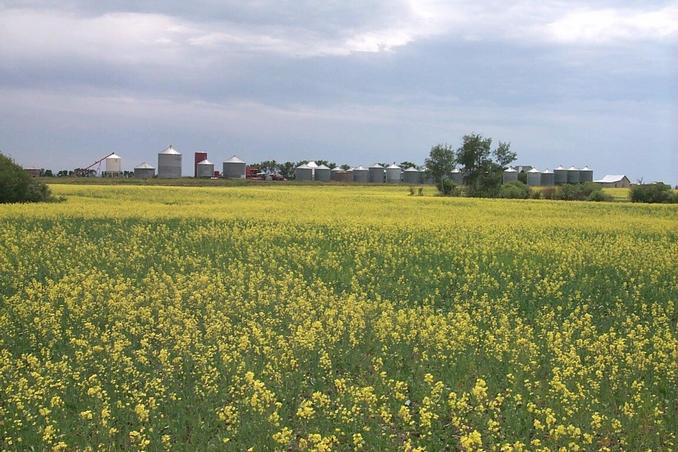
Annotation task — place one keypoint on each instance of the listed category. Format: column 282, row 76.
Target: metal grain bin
column 169, row 163
column 560, row 175
column 425, row 177
column 533, row 177
column 144, row 170
column 322, row 173
column 113, row 164
column 303, row 173
column 234, row 168
column 510, row 175
column 340, row 175
column 361, row 174
column 393, row 174
column 205, row 169
column 376, row 173
column 548, row 178
column 585, row 175
column 411, row 176
column 572, row 175
column 457, row 177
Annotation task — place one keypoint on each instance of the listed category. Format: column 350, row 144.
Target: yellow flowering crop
column 281, row 317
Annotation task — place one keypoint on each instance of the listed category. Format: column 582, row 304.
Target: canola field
column 279, row 317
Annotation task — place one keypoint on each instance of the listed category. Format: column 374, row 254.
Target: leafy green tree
column 327, row 163
column 345, row 167
column 16, row 185
column 405, row 164
column 268, row 166
column 439, row 166
column 482, row 167
column 286, row 169
column 653, row 193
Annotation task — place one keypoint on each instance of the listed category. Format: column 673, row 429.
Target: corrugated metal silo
column 572, row 175
column 411, row 176
column 376, row 173
column 533, row 177
column 585, row 174
column 234, row 168
column 510, row 175
column 303, row 173
column 338, row 175
column 197, row 158
column 560, row 175
column 322, row 173
column 144, row 170
column 393, row 174
column 169, row 163
column 426, row 177
column 361, row 174
column 548, row 178
column 205, row 168
column 457, row 177
column 113, row 164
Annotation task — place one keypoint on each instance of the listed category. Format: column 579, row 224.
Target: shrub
column 653, row 193
column 446, row 187
column 579, row 192
column 16, row 185
column 548, row 193
column 599, row 195
column 515, row 190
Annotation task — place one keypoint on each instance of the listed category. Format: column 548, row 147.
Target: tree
column 327, row 163
column 16, row 185
column 481, row 167
column 345, row 167
column 439, row 165
column 286, row 169
column 404, row 165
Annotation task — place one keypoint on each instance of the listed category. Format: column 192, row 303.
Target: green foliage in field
column 18, row 186
column 309, row 318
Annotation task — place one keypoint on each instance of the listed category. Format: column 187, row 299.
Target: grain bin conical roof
column 144, row 165
column 234, row 159
column 170, row 150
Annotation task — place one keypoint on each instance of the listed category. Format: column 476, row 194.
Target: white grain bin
column 533, row 177
column 361, row 174
column 411, row 176
column 560, row 175
column 376, row 173
column 303, row 173
column 322, row 173
column 144, row 170
column 205, row 168
column 169, row 163
column 457, row 177
column 393, row 174
column 510, row 175
column 113, row 164
column 572, row 175
column 548, row 178
column 234, row 168
column 585, row 174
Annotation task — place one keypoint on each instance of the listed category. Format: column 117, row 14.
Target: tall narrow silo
column 234, row 168
column 572, row 175
column 533, row 177
column 411, row 176
column 205, row 168
column 585, row 174
column 322, row 173
column 560, row 175
column 361, row 174
column 548, row 178
column 113, row 165
column 376, row 173
column 303, row 173
column 393, row 174
column 169, row 163
column 510, row 175
column 457, row 177
column 144, row 170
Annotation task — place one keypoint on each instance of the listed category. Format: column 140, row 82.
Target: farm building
column 144, row 170
column 205, row 169
column 303, row 173
column 234, row 168
column 615, row 181
column 169, row 163
column 322, row 173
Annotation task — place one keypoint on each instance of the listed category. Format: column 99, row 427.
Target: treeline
column 16, row 185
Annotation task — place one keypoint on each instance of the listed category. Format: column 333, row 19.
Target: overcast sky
column 573, row 83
